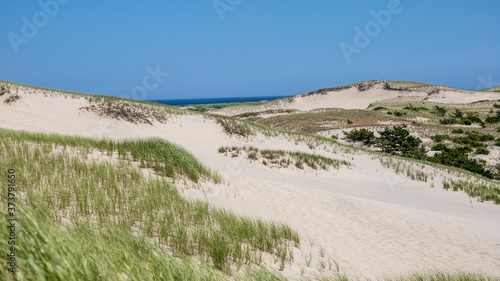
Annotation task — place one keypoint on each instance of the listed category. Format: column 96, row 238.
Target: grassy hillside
column 494, row 89
column 119, row 212
column 105, row 220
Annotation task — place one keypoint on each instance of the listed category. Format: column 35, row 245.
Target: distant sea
column 216, row 100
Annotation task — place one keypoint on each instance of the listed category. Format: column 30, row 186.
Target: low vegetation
column 459, row 117
column 216, row 106
column 284, row 159
column 12, row 98
column 399, row 141
column 458, row 157
column 439, row 110
column 233, row 126
column 128, row 111
column 362, row 135
column 414, row 108
column 396, row 140
column 485, row 191
column 111, row 202
column 4, row 89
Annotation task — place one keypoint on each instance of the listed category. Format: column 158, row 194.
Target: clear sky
column 226, row 48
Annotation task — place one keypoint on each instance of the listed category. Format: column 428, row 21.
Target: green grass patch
column 285, row 159
column 109, row 198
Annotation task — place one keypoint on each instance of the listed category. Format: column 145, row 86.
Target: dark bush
column 457, row 157
column 482, row 150
column 458, row 113
column 439, row 110
column 361, row 135
column 448, row 121
column 440, row 138
column 410, row 107
column 493, row 119
column 399, row 141
column 457, row 131
column 439, row 147
column 477, row 136
column 497, row 142
column 465, row 122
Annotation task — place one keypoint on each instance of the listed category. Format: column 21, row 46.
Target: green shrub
column 457, row 157
column 448, row 121
column 399, row 141
column 440, row 138
column 458, row 113
column 478, row 136
column 473, row 142
column 459, row 117
column 361, row 135
column 497, row 142
column 414, row 108
column 410, row 107
column 493, row 119
column 482, row 150
column 457, row 131
column 439, row 147
column 473, row 117
column 439, row 111
column 379, row 108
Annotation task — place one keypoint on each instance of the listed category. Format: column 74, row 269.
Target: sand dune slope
column 361, row 95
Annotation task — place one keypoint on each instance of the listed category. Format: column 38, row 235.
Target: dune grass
column 285, row 159
column 109, row 198
column 326, row 119
column 233, row 126
column 215, row 106
column 485, row 191
column 440, row 276
column 406, row 84
column 474, row 185
column 165, row 158
column 49, row 252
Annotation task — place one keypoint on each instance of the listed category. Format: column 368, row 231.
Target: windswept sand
column 353, row 98
column 373, row 222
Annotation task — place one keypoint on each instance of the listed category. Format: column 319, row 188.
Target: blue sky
column 228, row 48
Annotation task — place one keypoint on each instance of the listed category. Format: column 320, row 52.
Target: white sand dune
column 354, row 97
column 372, row 221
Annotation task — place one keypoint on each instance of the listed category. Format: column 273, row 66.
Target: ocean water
column 216, row 100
